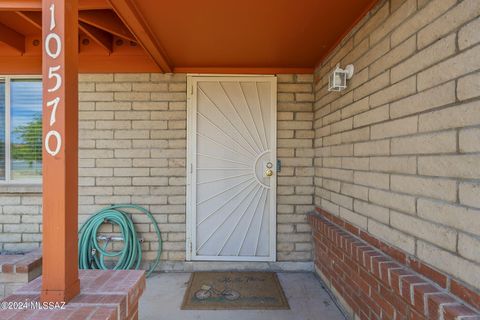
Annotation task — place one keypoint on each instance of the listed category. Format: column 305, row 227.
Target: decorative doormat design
column 234, row 290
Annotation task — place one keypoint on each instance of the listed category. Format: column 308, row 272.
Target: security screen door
column 231, row 169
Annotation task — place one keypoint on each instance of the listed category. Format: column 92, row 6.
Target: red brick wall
column 377, row 281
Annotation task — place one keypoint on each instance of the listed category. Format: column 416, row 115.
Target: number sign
column 53, row 49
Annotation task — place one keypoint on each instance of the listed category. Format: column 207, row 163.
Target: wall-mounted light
column 338, row 79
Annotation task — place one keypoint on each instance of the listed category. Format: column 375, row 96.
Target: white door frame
column 192, row 80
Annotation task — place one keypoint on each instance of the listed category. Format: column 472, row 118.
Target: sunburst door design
column 232, row 164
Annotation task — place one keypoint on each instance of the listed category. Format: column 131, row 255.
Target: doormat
column 234, row 290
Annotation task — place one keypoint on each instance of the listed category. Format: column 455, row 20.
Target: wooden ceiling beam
column 245, row 70
column 12, row 38
column 104, row 39
column 34, row 18
column 17, row 5
column 108, row 21
column 36, row 5
column 93, row 5
column 133, row 19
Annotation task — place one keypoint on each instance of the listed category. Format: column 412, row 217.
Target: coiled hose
column 91, row 255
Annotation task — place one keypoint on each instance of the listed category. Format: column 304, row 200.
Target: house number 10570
column 53, row 40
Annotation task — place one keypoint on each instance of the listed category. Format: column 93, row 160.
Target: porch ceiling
column 249, row 36
column 249, row 33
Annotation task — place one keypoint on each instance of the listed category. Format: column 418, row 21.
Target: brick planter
column 104, row 295
column 17, row 270
column 372, row 284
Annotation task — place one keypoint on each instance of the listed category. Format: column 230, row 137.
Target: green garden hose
column 91, row 255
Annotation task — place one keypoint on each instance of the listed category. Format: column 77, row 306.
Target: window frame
column 8, row 166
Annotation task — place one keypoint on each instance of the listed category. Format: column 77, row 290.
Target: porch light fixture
column 338, row 79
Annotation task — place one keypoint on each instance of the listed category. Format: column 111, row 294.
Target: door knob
column 269, row 172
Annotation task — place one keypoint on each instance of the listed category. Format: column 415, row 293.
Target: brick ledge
column 21, row 263
column 457, row 288
column 385, row 266
column 104, row 295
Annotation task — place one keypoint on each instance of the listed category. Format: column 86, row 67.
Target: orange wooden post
column 60, row 150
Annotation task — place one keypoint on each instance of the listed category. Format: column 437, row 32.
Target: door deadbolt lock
column 269, row 172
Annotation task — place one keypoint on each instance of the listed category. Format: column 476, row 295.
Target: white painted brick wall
column 295, row 181
column 402, row 142
column 133, row 150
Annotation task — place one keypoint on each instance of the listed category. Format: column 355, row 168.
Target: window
column 20, row 129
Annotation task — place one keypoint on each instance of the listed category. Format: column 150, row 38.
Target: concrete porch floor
column 307, row 299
